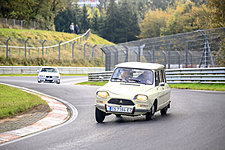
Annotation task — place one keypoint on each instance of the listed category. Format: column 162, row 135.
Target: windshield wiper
column 132, row 79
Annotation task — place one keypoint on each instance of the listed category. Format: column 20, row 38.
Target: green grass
column 36, row 75
column 194, row 86
column 199, row 86
column 14, row 101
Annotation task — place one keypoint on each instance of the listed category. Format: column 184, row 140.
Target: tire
column 99, row 115
column 39, row 81
column 118, row 116
column 164, row 111
column 58, row 82
column 150, row 115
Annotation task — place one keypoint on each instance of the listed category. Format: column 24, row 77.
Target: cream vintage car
column 134, row 89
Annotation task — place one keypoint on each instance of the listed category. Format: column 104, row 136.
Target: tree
column 111, row 21
column 95, row 22
column 84, row 20
column 218, row 7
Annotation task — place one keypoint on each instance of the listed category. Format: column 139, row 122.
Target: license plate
column 120, row 109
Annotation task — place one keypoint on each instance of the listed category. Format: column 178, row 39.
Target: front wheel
column 150, row 115
column 99, row 115
column 58, row 82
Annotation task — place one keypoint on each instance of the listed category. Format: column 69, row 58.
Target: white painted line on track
column 73, row 115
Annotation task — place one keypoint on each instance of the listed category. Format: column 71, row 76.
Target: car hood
column 121, row 88
column 49, row 74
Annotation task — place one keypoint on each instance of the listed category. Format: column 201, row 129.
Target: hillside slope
column 51, row 55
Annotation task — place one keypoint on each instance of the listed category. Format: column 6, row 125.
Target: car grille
column 121, row 102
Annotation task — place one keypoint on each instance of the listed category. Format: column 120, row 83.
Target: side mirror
column 162, row 84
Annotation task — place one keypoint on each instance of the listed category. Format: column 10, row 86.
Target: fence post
column 38, row 52
column 115, row 55
column 102, row 52
column 139, row 54
column 7, row 47
column 153, row 54
column 85, row 49
column 73, row 49
column 46, row 51
column 29, row 52
column 21, row 24
column 178, row 54
column 6, row 22
column 19, row 51
column 14, row 23
column 191, row 59
column 126, row 59
column 169, row 49
column 186, row 54
column 43, row 48
column 164, row 53
column 26, row 47
column 92, row 53
column 59, row 49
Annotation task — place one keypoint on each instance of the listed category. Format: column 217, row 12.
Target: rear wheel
column 99, row 115
column 164, row 111
column 150, row 115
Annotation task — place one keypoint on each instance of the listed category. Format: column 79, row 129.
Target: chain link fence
column 72, row 50
column 193, row 49
column 20, row 24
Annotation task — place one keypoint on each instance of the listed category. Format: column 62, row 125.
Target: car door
column 159, row 88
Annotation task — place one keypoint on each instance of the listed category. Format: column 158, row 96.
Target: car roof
column 152, row 66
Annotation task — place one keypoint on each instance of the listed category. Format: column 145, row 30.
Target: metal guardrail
column 186, row 75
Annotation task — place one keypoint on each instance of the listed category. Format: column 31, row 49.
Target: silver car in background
column 48, row 74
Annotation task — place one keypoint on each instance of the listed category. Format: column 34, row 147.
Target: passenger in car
column 145, row 77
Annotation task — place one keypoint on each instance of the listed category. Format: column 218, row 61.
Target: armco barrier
column 185, row 75
column 62, row 70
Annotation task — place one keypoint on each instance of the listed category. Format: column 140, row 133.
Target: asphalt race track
column 196, row 121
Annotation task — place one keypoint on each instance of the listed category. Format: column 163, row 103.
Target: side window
column 162, row 77
column 157, row 78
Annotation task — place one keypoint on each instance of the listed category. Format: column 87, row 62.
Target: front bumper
column 135, row 109
column 48, row 79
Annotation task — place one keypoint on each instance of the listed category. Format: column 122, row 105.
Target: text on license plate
column 120, row 109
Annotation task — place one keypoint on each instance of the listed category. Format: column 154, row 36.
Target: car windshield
column 130, row 75
column 49, row 70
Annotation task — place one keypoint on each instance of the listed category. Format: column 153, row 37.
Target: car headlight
column 141, row 98
column 102, row 94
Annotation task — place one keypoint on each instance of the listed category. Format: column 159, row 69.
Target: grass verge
column 194, row 86
column 199, row 86
column 14, row 101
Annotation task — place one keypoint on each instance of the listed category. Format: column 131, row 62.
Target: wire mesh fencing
column 20, row 24
column 193, row 49
column 72, row 50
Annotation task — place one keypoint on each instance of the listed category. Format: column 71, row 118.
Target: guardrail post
column 186, row 54
column 7, row 47
column 43, row 48
column 73, row 49
column 26, row 47
column 85, row 49
column 59, row 49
